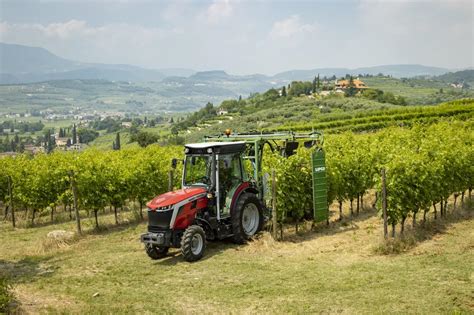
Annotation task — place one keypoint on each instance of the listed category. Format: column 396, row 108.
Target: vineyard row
column 425, row 165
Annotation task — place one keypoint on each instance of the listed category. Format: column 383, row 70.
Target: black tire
column 193, row 243
column 240, row 235
column 156, row 252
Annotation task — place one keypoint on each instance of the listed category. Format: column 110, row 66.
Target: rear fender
column 243, row 188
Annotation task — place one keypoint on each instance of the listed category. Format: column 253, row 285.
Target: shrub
column 5, row 295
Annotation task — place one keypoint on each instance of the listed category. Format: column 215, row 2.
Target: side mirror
column 174, row 163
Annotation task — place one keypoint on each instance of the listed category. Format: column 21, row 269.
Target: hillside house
column 325, row 93
column 222, row 112
column 341, row 85
column 457, row 85
column 62, row 141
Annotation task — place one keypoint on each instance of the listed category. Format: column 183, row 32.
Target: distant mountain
column 398, row 71
column 210, row 75
column 24, row 64
column 19, row 59
column 177, row 72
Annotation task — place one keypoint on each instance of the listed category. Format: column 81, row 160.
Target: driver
column 225, row 174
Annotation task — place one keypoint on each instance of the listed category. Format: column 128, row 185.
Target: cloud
column 76, row 39
column 290, row 27
column 435, row 32
column 218, row 11
column 74, row 29
column 245, row 37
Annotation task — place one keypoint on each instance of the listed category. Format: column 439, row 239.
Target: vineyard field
column 379, row 119
column 429, row 177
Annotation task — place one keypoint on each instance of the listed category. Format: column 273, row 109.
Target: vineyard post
column 384, row 204
column 10, row 192
column 274, row 214
column 170, row 180
column 74, row 194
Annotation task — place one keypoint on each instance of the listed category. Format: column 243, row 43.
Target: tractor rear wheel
column 193, row 243
column 247, row 218
column 156, row 252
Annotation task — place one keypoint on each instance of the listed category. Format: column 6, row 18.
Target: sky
column 244, row 37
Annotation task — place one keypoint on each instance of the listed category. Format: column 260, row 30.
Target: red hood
column 172, row 197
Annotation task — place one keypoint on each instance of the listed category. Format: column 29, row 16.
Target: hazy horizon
column 243, row 37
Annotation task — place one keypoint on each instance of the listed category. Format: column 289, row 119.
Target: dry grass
column 49, row 244
column 332, row 270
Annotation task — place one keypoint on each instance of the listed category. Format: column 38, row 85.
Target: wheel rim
column 250, row 219
column 196, row 244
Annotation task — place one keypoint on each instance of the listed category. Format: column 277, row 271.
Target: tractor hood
column 173, row 197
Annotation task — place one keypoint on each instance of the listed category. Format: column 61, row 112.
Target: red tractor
column 218, row 199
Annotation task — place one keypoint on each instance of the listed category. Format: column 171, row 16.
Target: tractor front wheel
column 193, row 243
column 156, row 252
column 247, row 218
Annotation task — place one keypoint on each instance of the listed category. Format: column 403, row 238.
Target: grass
column 334, row 270
column 5, row 295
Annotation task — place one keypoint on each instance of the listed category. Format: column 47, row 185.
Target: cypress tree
column 117, row 142
column 74, row 134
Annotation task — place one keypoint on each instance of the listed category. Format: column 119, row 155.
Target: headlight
column 164, row 208
column 186, row 150
column 209, row 150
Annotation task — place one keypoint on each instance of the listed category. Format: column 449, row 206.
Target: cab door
column 231, row 175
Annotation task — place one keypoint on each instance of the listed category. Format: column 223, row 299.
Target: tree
column 299, row 88
column 316, row 84
column 48, row 141
column 144, row 138
column 283, row 91
column 74, row 134
column 351, row 90
column 92, row 184
column 116, row 145
column 8, row 146
column 87, row 135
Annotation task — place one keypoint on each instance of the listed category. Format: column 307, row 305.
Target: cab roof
column 217, row 147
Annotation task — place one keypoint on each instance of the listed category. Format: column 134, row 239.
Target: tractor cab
column 218, row 167
column 217, row 201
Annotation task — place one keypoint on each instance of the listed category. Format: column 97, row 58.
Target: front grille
column 159, row 220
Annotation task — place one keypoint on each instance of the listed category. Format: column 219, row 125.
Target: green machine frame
column 284, row 142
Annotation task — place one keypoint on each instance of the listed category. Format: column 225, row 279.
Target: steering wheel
column 204, row 179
